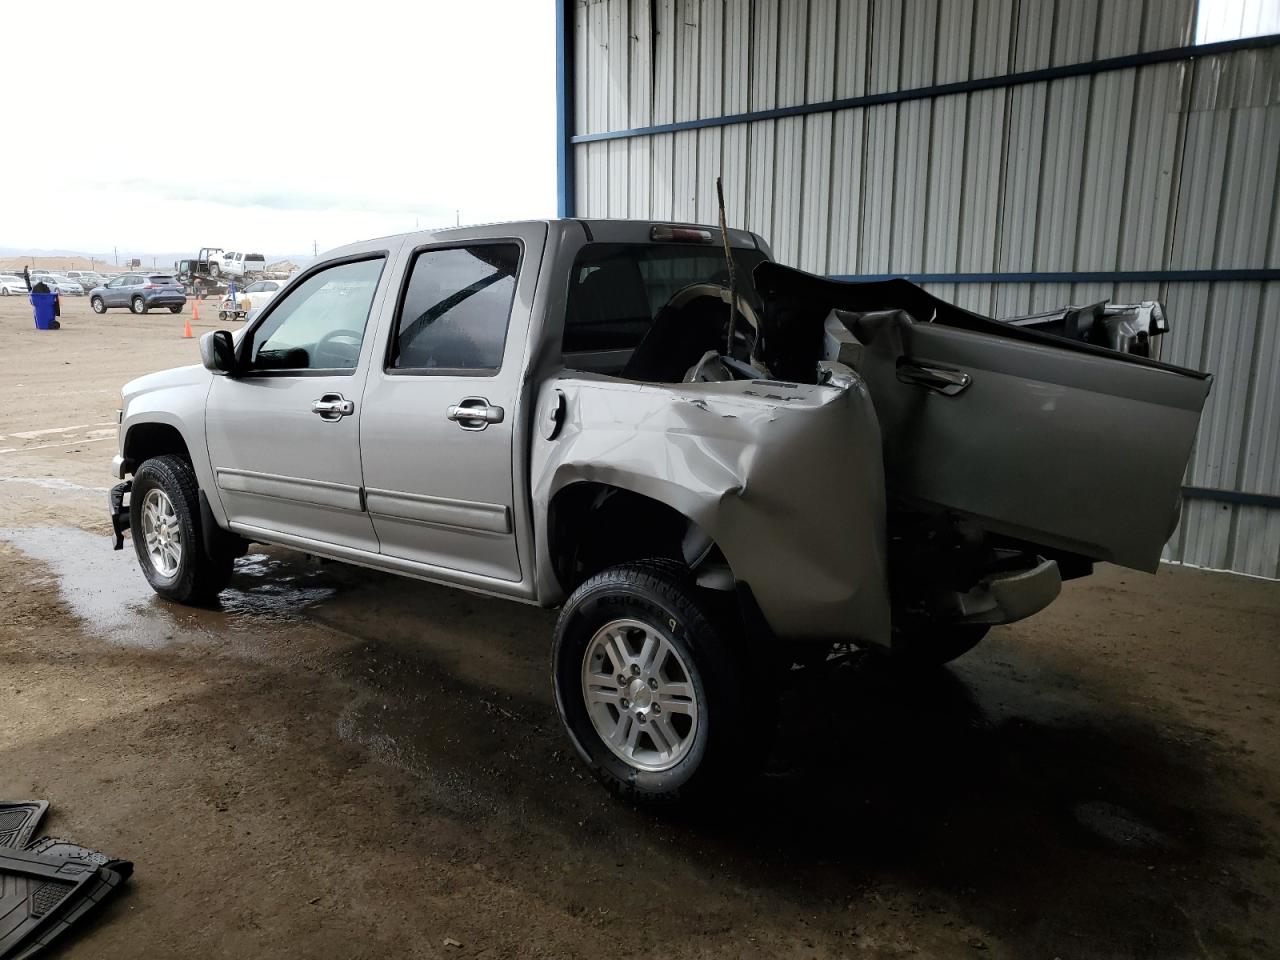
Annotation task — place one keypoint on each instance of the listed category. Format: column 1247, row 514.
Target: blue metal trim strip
column 1233, row 496
column 565, row 171
column 1078, row 276
column 1087, row 68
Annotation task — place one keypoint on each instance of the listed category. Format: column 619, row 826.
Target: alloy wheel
column 162, row 532
column 640, row 695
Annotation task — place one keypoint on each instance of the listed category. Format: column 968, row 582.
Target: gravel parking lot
column 341, row 763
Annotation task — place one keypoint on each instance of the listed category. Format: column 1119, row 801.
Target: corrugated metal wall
column 1166, row 166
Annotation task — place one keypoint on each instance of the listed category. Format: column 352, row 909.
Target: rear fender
column 785, row 478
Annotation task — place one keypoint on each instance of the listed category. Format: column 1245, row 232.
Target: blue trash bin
column 44, row 306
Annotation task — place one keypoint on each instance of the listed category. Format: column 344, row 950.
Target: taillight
column 670, row 233
column 149, row 286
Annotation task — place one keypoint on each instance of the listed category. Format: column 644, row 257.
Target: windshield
column 618, row 288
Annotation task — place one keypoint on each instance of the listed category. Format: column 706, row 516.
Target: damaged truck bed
column 710, row 476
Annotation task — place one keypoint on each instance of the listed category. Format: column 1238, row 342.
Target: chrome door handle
column 945, row 380
column 332, row 407
column 474, row 413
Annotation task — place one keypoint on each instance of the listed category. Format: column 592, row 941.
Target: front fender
column 786, row 478
column 175, row 398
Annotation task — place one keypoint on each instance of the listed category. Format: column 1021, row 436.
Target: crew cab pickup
column 713, row 464
column 235, row 264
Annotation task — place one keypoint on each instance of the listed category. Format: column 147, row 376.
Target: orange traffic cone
column 186, row 326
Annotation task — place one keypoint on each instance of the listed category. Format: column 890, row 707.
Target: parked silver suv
column 710, row 478
column 139, row 292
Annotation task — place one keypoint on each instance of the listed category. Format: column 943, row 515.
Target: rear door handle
column 474, row 413
column 332, row 407
column 945, row 380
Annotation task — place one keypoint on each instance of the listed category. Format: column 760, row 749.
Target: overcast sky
column 125, row 130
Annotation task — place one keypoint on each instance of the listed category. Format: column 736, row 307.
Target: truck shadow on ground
column 1064, row 826
column 1051, row 814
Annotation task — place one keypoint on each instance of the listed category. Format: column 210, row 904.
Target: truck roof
column 600, row 230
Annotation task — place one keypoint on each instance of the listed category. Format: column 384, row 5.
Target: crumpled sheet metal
column 786, row 478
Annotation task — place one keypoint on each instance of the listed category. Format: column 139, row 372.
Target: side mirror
column 217, row 352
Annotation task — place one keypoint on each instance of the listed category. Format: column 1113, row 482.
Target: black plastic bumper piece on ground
column 46, row 888
column 18, row 821
column 119, row 512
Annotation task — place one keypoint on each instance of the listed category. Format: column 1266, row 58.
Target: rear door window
column 456, row 309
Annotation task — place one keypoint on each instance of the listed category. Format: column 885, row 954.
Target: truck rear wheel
column 646, row 684
column 164, row 523
column 921, row 647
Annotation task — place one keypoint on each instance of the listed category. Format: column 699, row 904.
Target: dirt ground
column 340, row 763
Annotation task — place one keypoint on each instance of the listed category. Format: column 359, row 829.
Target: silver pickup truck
column 716, row 466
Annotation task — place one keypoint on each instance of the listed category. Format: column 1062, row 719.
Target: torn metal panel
column 786, row 478
column 1124, row 327
column 1052, row 440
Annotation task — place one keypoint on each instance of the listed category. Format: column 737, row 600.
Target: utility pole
column 457, row 218
column 315, row 249
column 115, row 252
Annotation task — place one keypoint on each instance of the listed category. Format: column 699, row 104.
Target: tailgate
column 1060, row 443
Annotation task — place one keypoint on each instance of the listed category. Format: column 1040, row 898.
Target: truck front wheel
column 164, row 522
column 646, row 684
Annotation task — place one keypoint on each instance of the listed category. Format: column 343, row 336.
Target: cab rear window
column 618, row 288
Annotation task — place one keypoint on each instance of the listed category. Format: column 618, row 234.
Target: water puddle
column 106, row 590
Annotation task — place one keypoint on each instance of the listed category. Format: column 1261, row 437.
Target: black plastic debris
column 18, row 821
column 48, row 885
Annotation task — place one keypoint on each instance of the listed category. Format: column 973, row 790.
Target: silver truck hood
column 192, row 375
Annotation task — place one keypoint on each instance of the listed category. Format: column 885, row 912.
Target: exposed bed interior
column 659, row 312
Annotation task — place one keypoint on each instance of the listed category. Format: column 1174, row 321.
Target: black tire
column 923, row 648
column 222, row 314
column 139, row 305
column 658, row 593
column 198, row 579
column 99, row 306
column 175, row 309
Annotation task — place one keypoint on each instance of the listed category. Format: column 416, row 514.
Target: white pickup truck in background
column 237, row 264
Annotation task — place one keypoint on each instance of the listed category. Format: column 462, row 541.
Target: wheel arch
column 153, row 438
column 592, row 525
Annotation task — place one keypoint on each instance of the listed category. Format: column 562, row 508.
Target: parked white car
column 259, row 293
column 61, row 285
column 11, row 286
column 86, row 278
